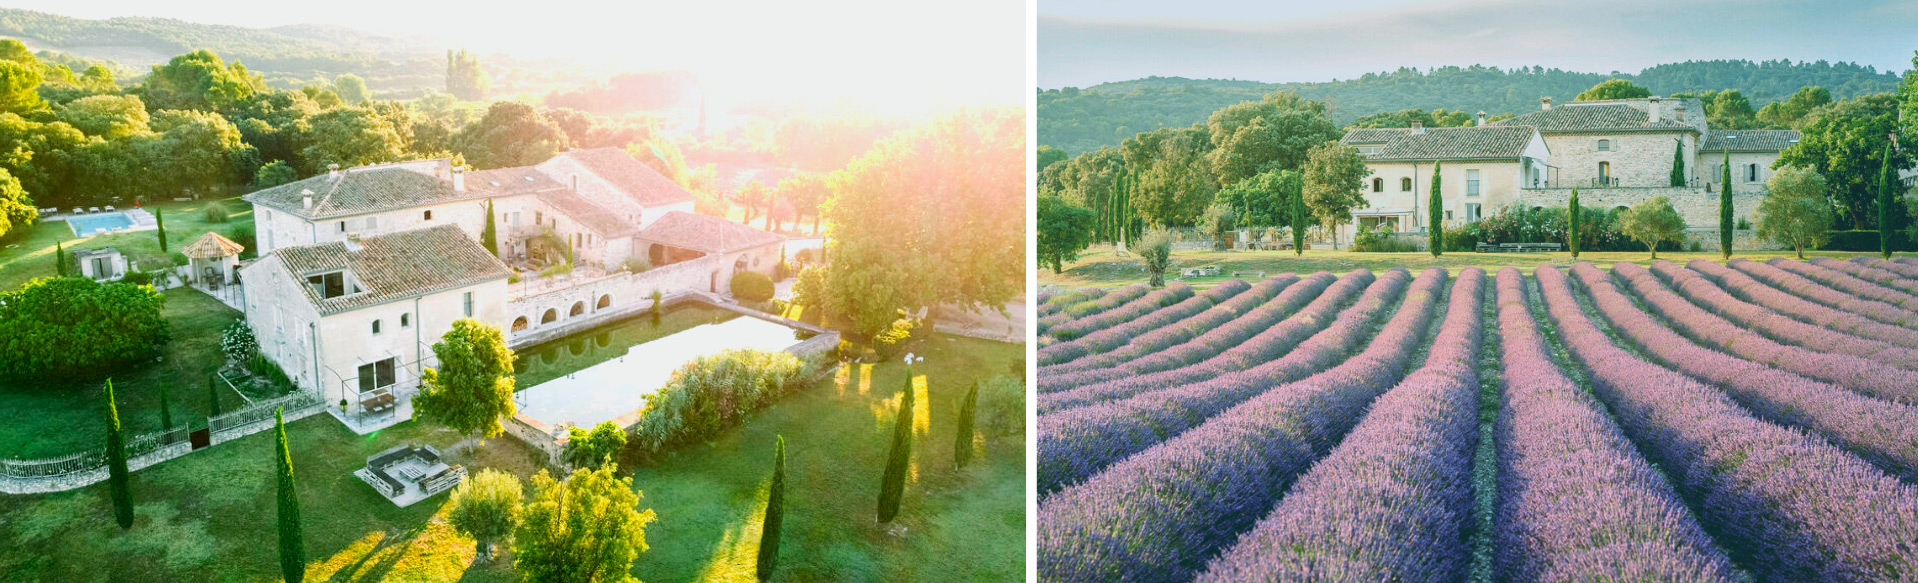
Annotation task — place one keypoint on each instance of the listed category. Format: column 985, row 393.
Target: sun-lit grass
column 1101, row 267
column 208, row 516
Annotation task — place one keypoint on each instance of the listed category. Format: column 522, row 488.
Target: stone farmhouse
column 1616, row 152
column 362, row 269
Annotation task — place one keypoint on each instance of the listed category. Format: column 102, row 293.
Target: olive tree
column 1652, row 222
column 1794, row 211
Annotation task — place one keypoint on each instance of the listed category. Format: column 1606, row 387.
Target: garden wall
column 90, row 467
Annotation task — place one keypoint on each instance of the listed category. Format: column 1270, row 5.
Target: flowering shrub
column 1159, row 514
column 237, row 341
column 1138, row 344
column 1118, row 335
column 1169, row 295
column 1791, row 506
column 1516, row 224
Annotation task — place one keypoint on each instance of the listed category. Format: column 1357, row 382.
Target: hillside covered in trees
column 1079, row 120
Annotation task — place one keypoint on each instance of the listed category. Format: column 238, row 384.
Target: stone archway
column 549, row 317
column 519, row 324
column 579, row 308
column 656, row 254
column 605, row 301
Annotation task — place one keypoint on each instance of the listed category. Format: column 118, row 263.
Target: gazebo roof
column 212, row 245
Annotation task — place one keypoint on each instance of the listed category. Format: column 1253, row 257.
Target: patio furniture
column 93, row 209
column 109, row 208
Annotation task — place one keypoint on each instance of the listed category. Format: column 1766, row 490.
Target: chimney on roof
column 1544, row 104
column 306, row 198
column 353, row 242
column 333, row 171
column 1418, row 127
column 1652, row 110
column 1481, row 118
column 459, row 179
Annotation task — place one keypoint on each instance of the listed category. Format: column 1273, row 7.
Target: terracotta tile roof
column 212, row 245
column 1617, row 115
column 1371, row 135
column 365, row 189
column 1474, row 143
column 509, row 181
column 394, row 266
column 592, row 216
column 705, row 234
column 637, row 180
column 1749, row 140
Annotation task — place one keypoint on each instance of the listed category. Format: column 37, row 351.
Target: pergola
column 212, row 259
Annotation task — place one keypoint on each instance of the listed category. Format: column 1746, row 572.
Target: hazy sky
column 899, row 55
column 1086, row 42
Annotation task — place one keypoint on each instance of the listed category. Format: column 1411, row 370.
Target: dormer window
column 1604, row 145
column 332, row 284
column 1368, row 150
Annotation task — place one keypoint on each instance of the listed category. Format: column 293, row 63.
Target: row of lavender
column 1078, row 443
column 1108, row 340
column 1161, row 514
column 1144, row 342
column 1090, row 305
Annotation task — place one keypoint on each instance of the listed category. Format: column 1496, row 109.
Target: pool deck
column 138, row 220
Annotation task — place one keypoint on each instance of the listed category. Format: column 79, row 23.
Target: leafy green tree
column 486, row 507
column 752, row 194
column 1048, row 155
column 351, row 136
column 1438, row 118
column 510, row 134
column 473, row 386
column 1652, row 222
column 1794, row 211
column 489, row 233
column 775, row 515
column 1908, row 98
column 1846, row 142
column 1614, row 89
column 892, row 485
column 119, row 482
column 71, row 327
column 804, row 192
column 587, row 529
column 351, row 89
column 1218, row 223
column 1064, row 231
column 108, row 117
column 962, row 443
column 19, row 88
column 200, row 80
column 292, row 531
column 593, row 448
column 1888, row 192
column 197, row 152
column 1301, row 214
column 465, row 78
column 1725, row 223
column 1155, row 251
column 810, row 289
column 16, row 208
column 663, row 157
column 1574, row 223
column 1174, row 182
column 273, row 174
column 1333, row 175
column 1275, row 132
column 1678, row 163
column 1435, row 213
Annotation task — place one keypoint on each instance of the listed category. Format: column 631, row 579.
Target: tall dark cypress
column 1574, row 221
column 159, row 221
column 119, row 482
column 1725, row 210
column 489, row 234
column 892, row 486
column 1678, row 164
column 166, row 411
column 59, row 259
column 775, row 514
column 962, row 443
column 1436, row 211
column 213, row 396
column 1297, row 194
column 1887, row 181
column 292, row 538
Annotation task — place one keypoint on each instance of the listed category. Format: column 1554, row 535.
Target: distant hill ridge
column 1079, row 120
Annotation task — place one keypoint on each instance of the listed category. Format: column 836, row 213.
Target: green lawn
column 1100, row 267
column 208, row 516
column 30, row 254
column 58, row 418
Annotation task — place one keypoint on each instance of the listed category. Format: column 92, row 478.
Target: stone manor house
column 1615, row 152
column 361, row 270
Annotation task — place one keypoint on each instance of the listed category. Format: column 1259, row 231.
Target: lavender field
column 1735, row 421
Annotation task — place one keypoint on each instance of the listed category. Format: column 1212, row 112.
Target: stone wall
column 20, row 477
column 1700, row 208
column 1637, row 159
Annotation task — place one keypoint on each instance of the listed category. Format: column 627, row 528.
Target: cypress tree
column 775, row 514
column 159, row 221
column 1725, row 210
column 1886, row 184
column 166, row 412
column 59, row 259
column 292, row 539
column 213, row 396
column 119, row 484
column 489, row 234
column 1298, row 215
column 1678, row 164
column 962, row 444
column 892, row 486
column 1573, row 220
column 1436, row 211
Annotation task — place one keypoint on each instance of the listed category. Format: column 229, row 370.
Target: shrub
column 595, row 447
column 486, row 507
column 1866, row 240
column 243, row 234
column 214, row 212
column 1002, row 406
column 636, row 265
column 1380, row 240
column 892, row 341
column 713, row 393
column 238, row 342
column 178, row 258
column 752, row 286
column 66, row 327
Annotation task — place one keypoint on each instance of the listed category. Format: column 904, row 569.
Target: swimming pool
column 89, row 225
column 619, row 384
